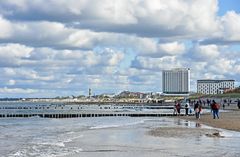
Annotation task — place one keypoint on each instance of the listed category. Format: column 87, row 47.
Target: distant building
column 214, row 86
column 176, row 81
column 109, row 95
column 128, row 94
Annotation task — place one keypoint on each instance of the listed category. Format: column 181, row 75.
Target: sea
column 107, row 137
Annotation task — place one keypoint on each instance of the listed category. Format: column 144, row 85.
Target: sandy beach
column 229, row 120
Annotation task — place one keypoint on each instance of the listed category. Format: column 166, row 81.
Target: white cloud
column 19, row 55
column 47, row 69
column 205, row 52
column 11, row 82
column 60, row 46
column 181, row 18
column 231, row 26
column 228, row 32
column 5, row 26
column 7, row 90
column 55, row 34
column 11, row 54
column 194, row 19
column 112, row 57
column 157, row 64
column 223, row 66
column 173, row 48
column 150, row 47
column 15, row 50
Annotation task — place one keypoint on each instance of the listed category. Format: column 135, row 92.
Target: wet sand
column 177, row 132
column 229, row 120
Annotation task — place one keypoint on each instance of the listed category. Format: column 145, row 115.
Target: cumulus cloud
column 229, row 30
column 11, row 54
column 157, row 64
column 57, row 35
column 163, row 49
column 205, row 52
column 6, row 30
column 213, row 62
column 11, row 82
column 47, row 69
column 20, row 55
column 231, row 26
column 17, row 90
column 60, row 46
column 194, row 17
column 222, row 66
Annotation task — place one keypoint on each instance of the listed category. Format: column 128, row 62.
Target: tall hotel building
column 214, row 86
column 176, row 81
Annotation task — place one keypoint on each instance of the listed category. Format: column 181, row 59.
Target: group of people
column 197, row 106
column 177, row 108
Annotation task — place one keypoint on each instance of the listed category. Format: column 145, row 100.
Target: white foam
column 70, row 139
column 59, row 144
column 71, row 132
column 228, row 133
column 104, row 126
column 116, row 125
column 20, row 153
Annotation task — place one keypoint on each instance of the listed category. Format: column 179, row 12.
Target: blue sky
column 54, row 48
column 227, row 5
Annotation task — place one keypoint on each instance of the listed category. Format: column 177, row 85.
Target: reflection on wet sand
column 198, row 125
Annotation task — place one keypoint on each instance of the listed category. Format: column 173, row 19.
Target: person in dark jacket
column 238, row 103
column 178, row 107
column 186, row 108
column 197, row 109
column 215, row 109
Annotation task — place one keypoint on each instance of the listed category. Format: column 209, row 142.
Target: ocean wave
column 59, row 142
column 70, row 139
column 116, row 125
column 19, row 153
column 45, row 151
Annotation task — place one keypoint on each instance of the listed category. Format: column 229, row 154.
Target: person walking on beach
column 186, row 108
column 223, row 106
column 238, row 103
column 215, row 109
column 178, row 107
column 208, row 102
column 217, row 113
column 175, row 109
column 197, row 109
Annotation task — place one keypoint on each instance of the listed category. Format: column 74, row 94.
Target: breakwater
column 74, row 115
column 84, row 110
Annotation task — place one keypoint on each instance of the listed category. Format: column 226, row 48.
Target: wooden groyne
column 79, row 115
column 92, row 110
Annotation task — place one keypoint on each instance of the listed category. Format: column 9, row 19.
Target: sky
column 52, row 48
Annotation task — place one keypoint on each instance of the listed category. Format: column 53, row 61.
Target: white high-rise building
column 214, row 86
column 176, row 81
